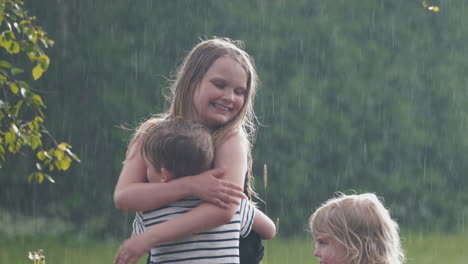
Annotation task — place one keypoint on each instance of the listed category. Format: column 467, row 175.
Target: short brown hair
column 183, row 147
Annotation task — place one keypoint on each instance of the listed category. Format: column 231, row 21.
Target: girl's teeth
column 222, row 107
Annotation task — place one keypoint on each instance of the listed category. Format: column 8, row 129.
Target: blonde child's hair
column 362, row 225
column 189, row 76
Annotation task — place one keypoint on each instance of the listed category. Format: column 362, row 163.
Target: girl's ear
column 166, row 175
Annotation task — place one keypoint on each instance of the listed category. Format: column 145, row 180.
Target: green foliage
column 355, row 95
column 21, row 108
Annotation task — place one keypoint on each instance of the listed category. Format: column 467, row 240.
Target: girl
column 355, row 229
column 215, row 86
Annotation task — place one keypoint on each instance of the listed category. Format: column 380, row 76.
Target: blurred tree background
column 367, row 95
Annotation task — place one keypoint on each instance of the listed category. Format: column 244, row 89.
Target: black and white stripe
column 218, row 245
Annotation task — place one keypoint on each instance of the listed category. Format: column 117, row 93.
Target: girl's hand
column 132, row 250
column 209, row 187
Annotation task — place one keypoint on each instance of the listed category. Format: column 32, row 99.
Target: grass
column 419, row 247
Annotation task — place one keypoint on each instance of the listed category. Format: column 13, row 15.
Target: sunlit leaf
column 73, row 155
column 14, row 47
column 63, row 146
column 65, row 163
column 39, row 177
column 37, row 72
column 37, row 100
column 8, row 35
column 13, row 88
column 35, row 142
column 16, row 71
column 41, row 155
column 5, row 64
column 48, row 177
column 59, row 154
column 10, row 137
column 13, row 148
column 24, row 84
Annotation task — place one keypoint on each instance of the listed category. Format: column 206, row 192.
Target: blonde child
column 215, row 86
column 174, row 148
column 355, row 229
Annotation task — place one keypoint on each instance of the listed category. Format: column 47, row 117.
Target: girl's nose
column 228, row 95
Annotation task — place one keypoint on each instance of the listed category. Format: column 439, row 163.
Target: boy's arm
column 263, row 225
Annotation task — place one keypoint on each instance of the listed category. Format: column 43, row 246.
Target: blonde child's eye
column 321, row 241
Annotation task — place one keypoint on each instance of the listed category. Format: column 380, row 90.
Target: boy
column 175, row 148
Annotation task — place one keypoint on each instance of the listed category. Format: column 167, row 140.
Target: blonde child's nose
column 316, row 252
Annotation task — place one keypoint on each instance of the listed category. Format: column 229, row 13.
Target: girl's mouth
column 221, row 107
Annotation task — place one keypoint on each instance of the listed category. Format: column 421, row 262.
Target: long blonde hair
column 362, row 225
column 189, row 76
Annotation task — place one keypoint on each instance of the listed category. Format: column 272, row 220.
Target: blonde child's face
column 221, row 94
column 329, row 251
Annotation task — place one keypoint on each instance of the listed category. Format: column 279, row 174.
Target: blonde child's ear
column 166, row 175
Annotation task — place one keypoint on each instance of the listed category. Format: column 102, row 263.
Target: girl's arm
column 232, row 156
column 263, row 225
column 133, row 193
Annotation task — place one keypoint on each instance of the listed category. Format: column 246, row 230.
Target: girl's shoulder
column 237, row 136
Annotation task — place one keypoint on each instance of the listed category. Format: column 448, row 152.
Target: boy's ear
column 166, row 175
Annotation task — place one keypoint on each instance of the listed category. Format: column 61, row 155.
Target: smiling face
column 329, row 251
column 220, row 95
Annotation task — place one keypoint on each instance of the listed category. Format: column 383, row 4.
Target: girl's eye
column 239, row 91
column 219, row 85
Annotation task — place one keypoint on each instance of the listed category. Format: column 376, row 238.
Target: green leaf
column 8, row 35
column 39, row 177
column 37, row 72
column 37, row 100
column 17, row 108
column 16, row 71
column 13, row 88
column 10, row 137
column 48, row 177
column 13, row 148
column 73, row 155
column 41, row 155
column 59, row 154
column 63, row 146
column 5, row 64
column 30, row 177
column 35, row 142
column 65, row 163
column 14, row 47
column 24, row 84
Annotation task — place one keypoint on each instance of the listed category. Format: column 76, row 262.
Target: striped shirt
column 218, row 245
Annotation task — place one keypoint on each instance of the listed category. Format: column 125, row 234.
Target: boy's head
column 358, row 225
column 178, row 147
